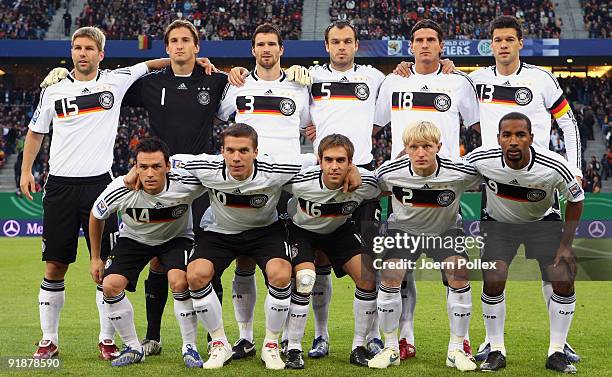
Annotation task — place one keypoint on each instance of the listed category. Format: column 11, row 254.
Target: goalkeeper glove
column 56, row 75
column 299, row 74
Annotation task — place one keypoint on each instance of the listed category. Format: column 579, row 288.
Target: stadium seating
column 26, row 19
column 215, row 20
column 597, row 18
column 393, row 19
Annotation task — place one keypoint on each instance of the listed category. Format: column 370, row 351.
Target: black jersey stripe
column 394, row 168
column 555, row 162
column 459, row 73
column 279, row 171
column 267, row 164
column 531, row 66
column 114, row 192
column 485, row 152
column 472, row 160
column 462, row 169
column 395, row 163
column 118, row 196
column 564, row 175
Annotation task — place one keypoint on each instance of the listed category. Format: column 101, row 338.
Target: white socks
column 107, row 331
column 276, row 308
column 244, row 297
column 321, row 297
column 186, row 318
column 561, row 312
column 409, row 298
column 51, row 299
column 296, row 321
column 364, row 312
column 459, row 307
column 121, row 314
column 208, row 310
column 389, row 304
column 494, row 315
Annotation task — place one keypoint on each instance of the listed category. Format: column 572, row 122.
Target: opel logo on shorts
column 11, row 228
column 442, row 102
column 287, row 106
column 523, row 96
column 536, row 195
column 348, row 208
column 204, row 98
column 445, row 198
column 362, row 91
column 179, row 211
column 258, row 201
column 106, row 100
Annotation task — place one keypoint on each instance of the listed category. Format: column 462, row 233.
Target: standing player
column 156, row 223
column 512, row 85
column 521, row 180
column 84, row 108
column 181, row 101
column 426, row 94
column 277, row 109
column 426, row 190
column 319, row 212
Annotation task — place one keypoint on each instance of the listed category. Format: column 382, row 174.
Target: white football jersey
column 152, row 219
column 236, row 206
column 318, row 209
column 525, row 195
column 532, row 91
column 344, row 103
column 85, row 116
column 275, row 109
column 436, row 97
column 426, row 205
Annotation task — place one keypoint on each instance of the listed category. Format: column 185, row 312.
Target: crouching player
column 320, row 212
column 426, row 190
column 156, row 223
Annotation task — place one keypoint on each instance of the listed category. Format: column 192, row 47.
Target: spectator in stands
column 26, row 19
column 594, row 164
column 67, row 22
column 606, row 164
column 596, row 185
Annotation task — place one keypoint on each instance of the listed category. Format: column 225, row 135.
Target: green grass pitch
column 526, row 324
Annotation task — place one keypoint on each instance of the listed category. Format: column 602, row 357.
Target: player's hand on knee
column 310, row 132
column 447, row 66
column 208, row 66
column 299, row 74
column 56, row 75
column 27, row 184
column 403, row 69
column 565, row 254
column 237, row 76
column 96, row 269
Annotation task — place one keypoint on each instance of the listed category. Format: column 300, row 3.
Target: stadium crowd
column 26, row 19
column 215, row 19
column 597, row 18
column 393, row 19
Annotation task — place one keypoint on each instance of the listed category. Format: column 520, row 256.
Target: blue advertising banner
column 312, row 49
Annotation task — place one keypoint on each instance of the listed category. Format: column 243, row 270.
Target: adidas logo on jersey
column 514, row 182
column 426, row 186
column 425, row 89
column 343, row 79
column 236, row 191
column 507, row 83
column 85, row 91
column 182, row 86
column 332, row 200
column 158, row 205
column 268, row 92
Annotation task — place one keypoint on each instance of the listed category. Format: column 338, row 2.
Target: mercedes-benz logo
column 597, row 229
column 11, row 228
column 474, row 228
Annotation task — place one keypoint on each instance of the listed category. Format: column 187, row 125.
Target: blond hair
column 421, row 131
column 92, row 33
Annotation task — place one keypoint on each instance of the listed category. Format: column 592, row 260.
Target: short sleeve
column 43, row 115
column 111, row 199
column 369, row 185
column 228, row 103
column 572, row 191
column 382, row 114
column 128, row 75
column 468, row 103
